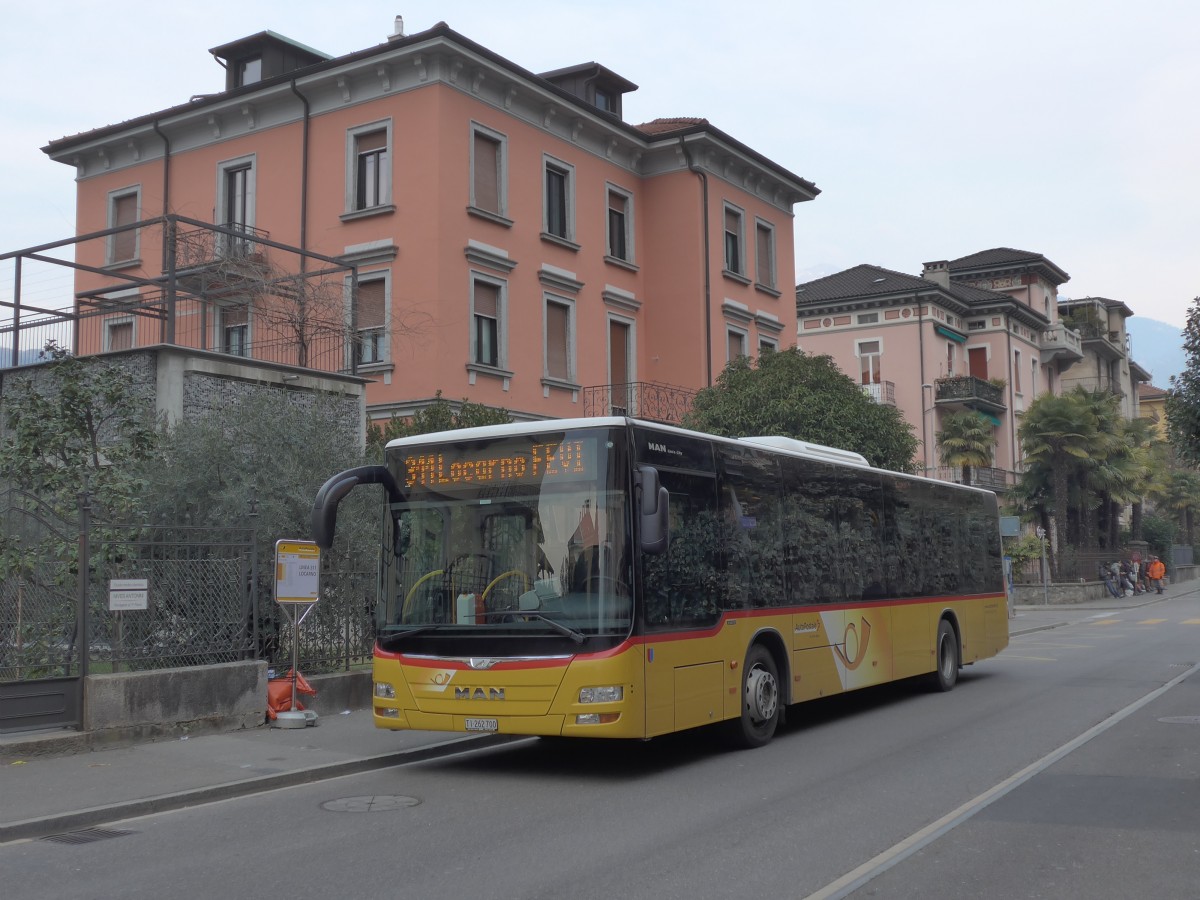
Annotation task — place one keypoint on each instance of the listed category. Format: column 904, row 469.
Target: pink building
column 513, row 239
column 981, row 332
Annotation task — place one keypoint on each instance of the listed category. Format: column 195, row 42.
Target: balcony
column 640, row 399
column 884, row 392
column 1097, row 338
column 988, row 477
column 1061, row 345
column 969, row 392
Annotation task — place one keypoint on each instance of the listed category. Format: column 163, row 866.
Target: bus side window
column 681, row 586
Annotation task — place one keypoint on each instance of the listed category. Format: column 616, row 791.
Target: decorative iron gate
column 40, row 656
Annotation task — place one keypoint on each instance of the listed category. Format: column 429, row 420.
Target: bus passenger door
column 865, row 651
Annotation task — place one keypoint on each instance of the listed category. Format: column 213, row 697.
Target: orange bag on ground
column 279, row 693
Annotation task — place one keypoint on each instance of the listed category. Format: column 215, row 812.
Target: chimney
column 938, row 272
column 397, row 29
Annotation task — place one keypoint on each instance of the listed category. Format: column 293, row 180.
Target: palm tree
column 1057, row 434
column 967, row 439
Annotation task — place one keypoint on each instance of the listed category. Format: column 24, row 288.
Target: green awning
column 990, row 418
column 953, row 335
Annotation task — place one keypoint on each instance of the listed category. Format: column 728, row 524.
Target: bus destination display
column 501, row 464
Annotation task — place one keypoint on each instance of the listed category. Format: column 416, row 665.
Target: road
column 1067, row 767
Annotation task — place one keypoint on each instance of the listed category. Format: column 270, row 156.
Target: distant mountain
column 24, row 358
column 1157, row 348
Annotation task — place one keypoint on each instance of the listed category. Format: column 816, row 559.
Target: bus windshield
column 517, row 536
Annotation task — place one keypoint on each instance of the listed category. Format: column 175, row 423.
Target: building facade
column 510, row 238
column 979, row 333
column 1107, row 364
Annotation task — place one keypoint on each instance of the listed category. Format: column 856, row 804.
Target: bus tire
column 761, row 701
column 945, row 676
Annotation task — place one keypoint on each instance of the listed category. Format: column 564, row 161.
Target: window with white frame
column 118, row 334
column 1017, row 371
column 487, row 322
column 370, row 319
column 764, row 253
column 735, row 261
column 489, row 191
column 234, row 325
column 735, row 344
column 369, row 167
column 620, row 224
column 235, row 203
column 767, row 345
column 560, row 344
column 559, row 203
column 123, row 209
column 951, row 354
column 870, row 359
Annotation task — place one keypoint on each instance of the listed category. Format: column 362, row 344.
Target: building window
column 249, row 71
column 977, row 325
column 766, row 345
column 560, row 351
column 235, row 203
column 235, row 330
column 1033, row 373
column 559, row 200
column 764, row 247
column 118, row 334
column 734, row 261
column 487, row 317
column 123, row 210
column 370, row 321
column 735, row 344
column 950, row 357
column 488, row 181
column 620, row 225
column 870, row 359
column 868, row 318
column 604, row 100
column 370, row 169
column 1017, row 371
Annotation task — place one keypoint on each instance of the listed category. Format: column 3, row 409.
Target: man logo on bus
column 861, row 648
column 466, row 693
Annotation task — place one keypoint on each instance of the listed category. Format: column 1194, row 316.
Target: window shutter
column 371, row 141
column 557, row 322
column 487, row 299
column 487, row 173
column 371, row 303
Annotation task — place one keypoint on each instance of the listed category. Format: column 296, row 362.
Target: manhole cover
column 86, row 835
column 1180, row 720
column 373, row 803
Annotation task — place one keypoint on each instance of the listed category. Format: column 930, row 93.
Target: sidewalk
column 42, row 795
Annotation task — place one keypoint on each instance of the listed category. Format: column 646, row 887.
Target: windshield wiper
column 409, row 632
column 576, row 636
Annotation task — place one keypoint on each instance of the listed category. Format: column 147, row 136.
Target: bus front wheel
column 945, row 676
column 760, row 700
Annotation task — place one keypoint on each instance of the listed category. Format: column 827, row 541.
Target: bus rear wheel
column 946, row 675
column 760, row 701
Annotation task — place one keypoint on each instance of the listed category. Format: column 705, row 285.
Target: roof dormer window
column 249, row 71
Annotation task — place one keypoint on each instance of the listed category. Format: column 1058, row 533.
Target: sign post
column 123, row 594
column 1041, row 533
column 297, row 589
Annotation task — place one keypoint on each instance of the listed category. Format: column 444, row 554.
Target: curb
column 75, row 820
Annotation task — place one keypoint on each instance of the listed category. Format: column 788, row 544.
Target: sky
column 934, row 128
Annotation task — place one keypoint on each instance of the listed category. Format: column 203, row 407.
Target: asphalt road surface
column 1069, row 766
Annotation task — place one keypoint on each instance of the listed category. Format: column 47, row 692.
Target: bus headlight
column 385, row 690
column 608, row 694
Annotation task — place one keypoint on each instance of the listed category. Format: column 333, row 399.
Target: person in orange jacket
column 1155, row 572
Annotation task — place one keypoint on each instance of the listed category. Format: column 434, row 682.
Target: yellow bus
column 618, row 578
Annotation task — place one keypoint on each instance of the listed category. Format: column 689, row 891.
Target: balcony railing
column 981, row 476
column 967, row 390
column 640, row 399
column 883, row 392
column 1061, row 343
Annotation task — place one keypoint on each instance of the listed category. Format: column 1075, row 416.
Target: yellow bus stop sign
column 297, row 571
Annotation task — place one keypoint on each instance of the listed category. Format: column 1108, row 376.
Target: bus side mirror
column 653, row 504
column 332, row 492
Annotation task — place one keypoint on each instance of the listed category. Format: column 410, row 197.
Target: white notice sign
column 297, row 571
column 128, row 593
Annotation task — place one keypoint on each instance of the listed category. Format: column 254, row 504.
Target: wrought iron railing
column 883, row 392
column 968, row 389
column 640, row 399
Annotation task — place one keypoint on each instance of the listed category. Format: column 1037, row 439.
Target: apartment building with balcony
column 1108, row 363
column 479, row 229
column 979, row 333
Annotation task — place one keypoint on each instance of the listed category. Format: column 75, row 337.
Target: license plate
column 482, row 725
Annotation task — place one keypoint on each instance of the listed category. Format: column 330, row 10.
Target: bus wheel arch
column 947, row 654
column 763, row 695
